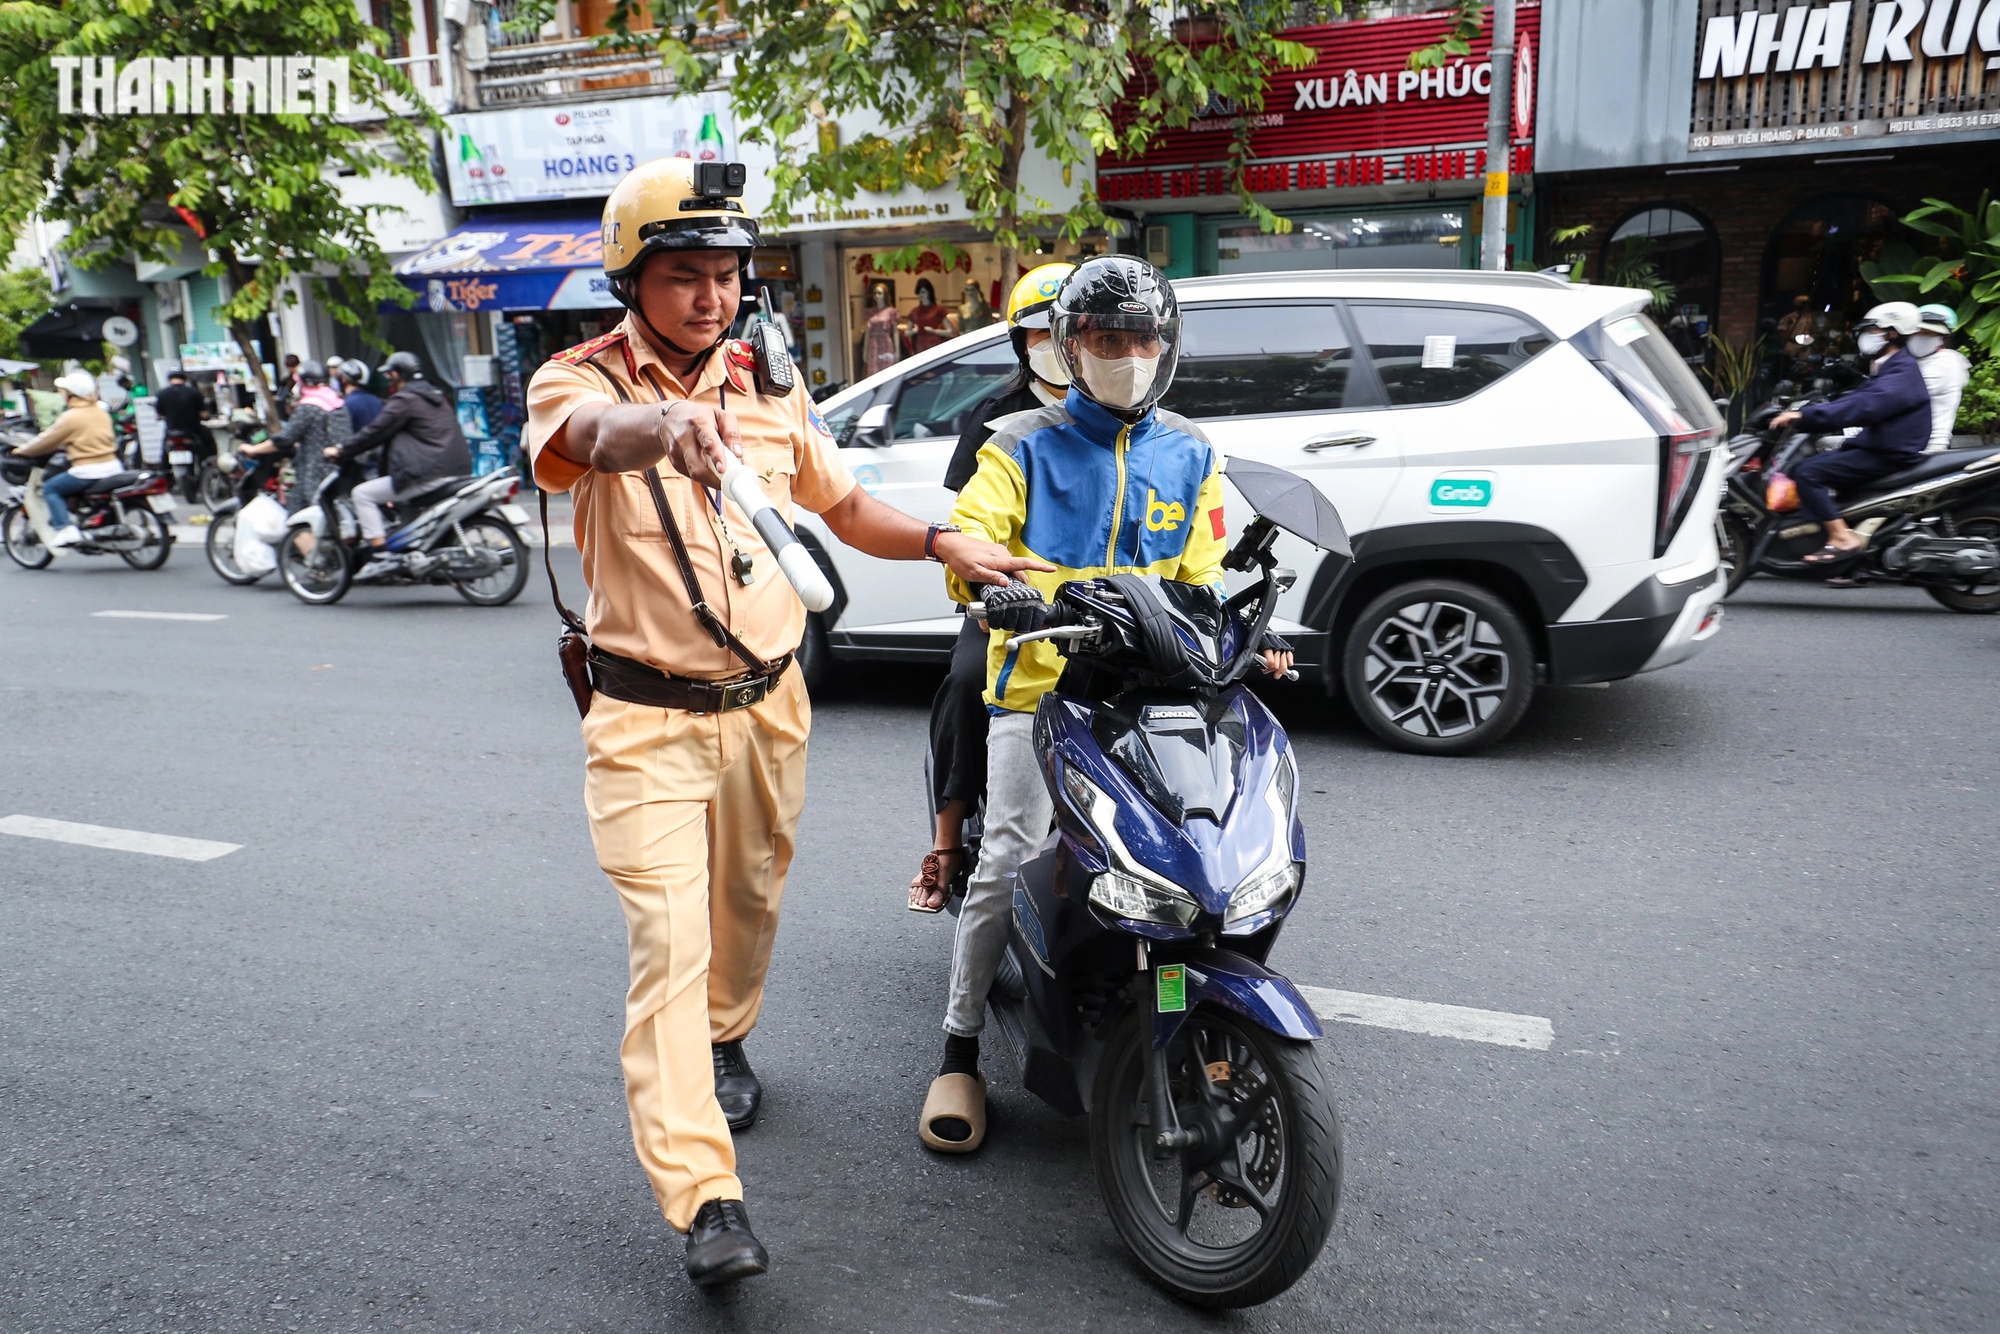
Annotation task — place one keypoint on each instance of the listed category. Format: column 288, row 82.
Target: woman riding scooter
column 1893, row 409
column 83, row 431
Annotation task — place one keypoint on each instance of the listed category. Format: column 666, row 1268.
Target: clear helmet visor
column 1121, row 361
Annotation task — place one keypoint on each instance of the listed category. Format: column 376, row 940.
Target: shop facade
column 1375, row 165
column 1751, row 159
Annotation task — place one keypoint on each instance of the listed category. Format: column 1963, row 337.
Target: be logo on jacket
column 1092, row 495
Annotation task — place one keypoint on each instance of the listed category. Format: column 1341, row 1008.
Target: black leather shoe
column 721, row 1247
column 736, row 1085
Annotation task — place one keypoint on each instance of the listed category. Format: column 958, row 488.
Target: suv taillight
column 1683, row 463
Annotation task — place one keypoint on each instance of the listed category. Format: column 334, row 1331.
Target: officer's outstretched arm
column 630, row 437
column 866, row 524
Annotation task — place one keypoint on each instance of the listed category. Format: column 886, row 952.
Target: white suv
column 1524, row 466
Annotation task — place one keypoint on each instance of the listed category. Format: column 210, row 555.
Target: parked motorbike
column 126, row 514
column 1935, row 524
column 1135, row 989
column 460, row 531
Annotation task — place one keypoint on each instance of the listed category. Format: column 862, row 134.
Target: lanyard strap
column 703, row 612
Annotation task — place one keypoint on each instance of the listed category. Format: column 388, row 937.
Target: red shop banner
column 1357, row 116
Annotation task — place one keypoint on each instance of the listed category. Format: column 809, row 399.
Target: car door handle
column 1317, row 443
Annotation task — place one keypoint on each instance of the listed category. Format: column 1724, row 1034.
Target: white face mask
column 1923, row 344
column 1871, row 342
column 1046, row 365
column 1121, row 382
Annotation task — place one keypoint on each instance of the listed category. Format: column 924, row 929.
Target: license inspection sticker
column 1171, row 983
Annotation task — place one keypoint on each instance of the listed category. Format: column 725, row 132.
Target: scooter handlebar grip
column 797, row 563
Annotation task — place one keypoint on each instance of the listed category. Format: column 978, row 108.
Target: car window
column 936, row 399
column 1440, row 354
column 1242, row 360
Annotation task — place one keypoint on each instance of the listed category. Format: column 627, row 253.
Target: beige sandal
column 954, row 1098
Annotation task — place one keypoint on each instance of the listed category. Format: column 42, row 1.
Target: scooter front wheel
column 319, row 576
column 1237, row 1219
column 23, row 543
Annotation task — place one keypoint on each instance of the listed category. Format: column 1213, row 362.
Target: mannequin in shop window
column 929, row 324
column 879, row 345
column 973, row 310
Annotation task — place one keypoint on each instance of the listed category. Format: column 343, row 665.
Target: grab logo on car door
column 1462, row 491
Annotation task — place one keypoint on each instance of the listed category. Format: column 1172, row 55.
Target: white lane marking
column 122, row 840
column 163, row 615
column 1528, row 1031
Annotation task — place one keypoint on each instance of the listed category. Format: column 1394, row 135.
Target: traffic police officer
column 696, row 725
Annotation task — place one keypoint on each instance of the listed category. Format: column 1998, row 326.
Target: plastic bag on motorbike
column 264, row 518
column 1781, row 494
column 260, row 526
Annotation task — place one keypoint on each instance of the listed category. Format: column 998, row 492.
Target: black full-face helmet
column 1114, row 296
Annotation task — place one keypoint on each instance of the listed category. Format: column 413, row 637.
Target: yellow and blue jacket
column 1090, row 494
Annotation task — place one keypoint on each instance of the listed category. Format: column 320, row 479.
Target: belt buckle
column 742, row 694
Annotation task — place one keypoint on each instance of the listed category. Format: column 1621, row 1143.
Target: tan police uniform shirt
column 638, row 604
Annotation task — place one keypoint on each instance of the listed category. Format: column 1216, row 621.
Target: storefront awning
column 512, row 263
column 74, row 330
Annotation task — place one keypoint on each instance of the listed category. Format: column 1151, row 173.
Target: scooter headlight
column 1128, row 890
column 1262, row 890
column 1277, row 878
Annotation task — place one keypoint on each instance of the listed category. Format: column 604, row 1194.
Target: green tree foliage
column 1965, row 274
column 964, row 87
column 259, row 188
column 1467, row 19
column 24, row 295
column 1979, row 406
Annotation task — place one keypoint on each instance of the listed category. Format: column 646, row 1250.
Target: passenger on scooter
column 318, row 422
column 1102, row 483
column 420, row 426
column 362, row 406
column 1893, row 409
column 83, row 431
column 1945, row 369
column 958, row 714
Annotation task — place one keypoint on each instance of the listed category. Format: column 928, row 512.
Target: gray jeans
column 1018, row 810
column 369, row 498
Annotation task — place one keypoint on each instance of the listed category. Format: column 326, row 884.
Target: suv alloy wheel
column 1438, row 667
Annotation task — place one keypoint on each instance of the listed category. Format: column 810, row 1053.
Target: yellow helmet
column 674, row 204
column 1028, row 304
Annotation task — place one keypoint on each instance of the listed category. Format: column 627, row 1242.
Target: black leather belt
column 636, row 683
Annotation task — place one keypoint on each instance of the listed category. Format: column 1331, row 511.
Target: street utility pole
column 1499, row 126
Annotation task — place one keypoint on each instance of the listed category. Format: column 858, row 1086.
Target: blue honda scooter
column 1135, row 990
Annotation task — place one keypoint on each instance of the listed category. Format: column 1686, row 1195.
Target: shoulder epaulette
column 737, row 358
column 586, row 350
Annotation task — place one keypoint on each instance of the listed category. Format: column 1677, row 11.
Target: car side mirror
column 871, row 431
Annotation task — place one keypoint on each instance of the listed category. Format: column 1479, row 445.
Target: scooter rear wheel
column 1982, row 598
column 156, row 540
column 23, row 543
column 1236, row 1227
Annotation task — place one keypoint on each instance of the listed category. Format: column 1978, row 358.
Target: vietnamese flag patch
column 1215, row 522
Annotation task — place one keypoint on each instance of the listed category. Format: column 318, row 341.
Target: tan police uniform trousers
column 694, row 817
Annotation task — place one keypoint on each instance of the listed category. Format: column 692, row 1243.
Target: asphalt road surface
column 361, row 1073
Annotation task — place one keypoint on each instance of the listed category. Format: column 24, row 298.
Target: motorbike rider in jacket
column 84, row 433
column 958, row 714
column 1102, row 483
column 419, row 424
column 1893, row 409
